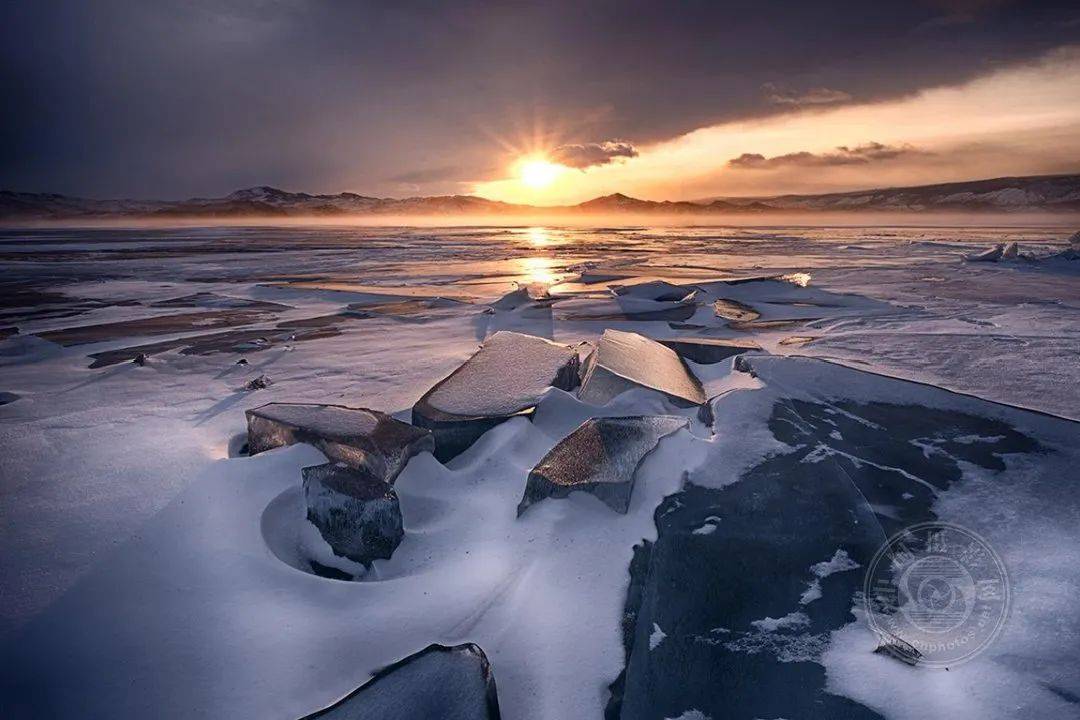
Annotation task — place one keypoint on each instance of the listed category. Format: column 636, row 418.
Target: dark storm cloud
column 586, row 155
column 175, row 97
column 844, row 155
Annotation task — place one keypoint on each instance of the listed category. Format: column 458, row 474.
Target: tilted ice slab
column 449, row 683
column 360, row 438
column 505, row 377
column 624, row 360
column 600, row 457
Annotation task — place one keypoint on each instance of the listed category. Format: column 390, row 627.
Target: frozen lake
column 140, row 574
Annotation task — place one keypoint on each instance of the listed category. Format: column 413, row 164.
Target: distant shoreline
column 1048, row 195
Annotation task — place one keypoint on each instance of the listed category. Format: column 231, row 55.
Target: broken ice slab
column 505, row 377
column 625, row 360
column 707, row 351
column 1011, row 251
column 449, row 683
column 360, row 438
column 659, row 290
column 897, row 648
column 356, row 512
column 992, row 255
column 600, row 457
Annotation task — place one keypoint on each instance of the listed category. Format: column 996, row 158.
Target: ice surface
column 451, row 683
column 356, row 512
column 505, row 377
column 149, row 572
column 625, row 360
column 361, row 438
column 601, row 458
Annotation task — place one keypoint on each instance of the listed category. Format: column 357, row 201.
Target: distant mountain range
column 1059, row 193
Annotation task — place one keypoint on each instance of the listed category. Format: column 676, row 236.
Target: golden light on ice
column 538, row 237
column 538, row 271
column 538, row 173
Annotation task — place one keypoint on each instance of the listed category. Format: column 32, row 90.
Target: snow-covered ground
column 148, row 570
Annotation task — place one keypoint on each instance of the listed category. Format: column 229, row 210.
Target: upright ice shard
column 624, row 360
column 600, row 457
column 504, row 378
column 360, row 438
column 705, row 350
column 356, row 513
column 450, row 683
column 992, row 255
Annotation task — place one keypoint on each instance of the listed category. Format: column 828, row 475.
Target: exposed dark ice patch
column 729, row 585
column 219, row 302
column 899, row 456
column 160, row 325
column 232, row 341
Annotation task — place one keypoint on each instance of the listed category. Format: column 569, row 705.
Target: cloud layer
column 590, row 154
column 843, row 155
column 814, row 96
column 172, row 97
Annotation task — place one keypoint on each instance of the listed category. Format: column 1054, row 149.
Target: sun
column 538, row 173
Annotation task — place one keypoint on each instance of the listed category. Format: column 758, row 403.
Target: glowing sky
column 1018, row 121
column 546, row 103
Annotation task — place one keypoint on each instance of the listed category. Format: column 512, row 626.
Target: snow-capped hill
column 264, row 193
column 1018, row 194
column 1010, row 194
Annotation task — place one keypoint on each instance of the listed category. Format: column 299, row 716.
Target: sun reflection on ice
column 538, row 237
column 539, row 275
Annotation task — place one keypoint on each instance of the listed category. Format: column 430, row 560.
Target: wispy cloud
column 778, row 95
column 843, row 155
column 590, row 154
